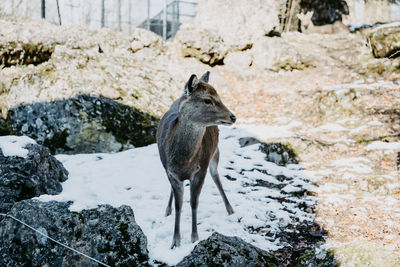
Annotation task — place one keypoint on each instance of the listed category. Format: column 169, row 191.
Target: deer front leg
column 177, row 188
column 195, row 188
column 168, row 211
column 214, row 174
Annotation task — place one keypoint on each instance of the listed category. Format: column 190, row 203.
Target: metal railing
column 166, row 23
column 120, row 15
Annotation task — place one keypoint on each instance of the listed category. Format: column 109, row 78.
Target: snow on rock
column 265, row 196
column 27, row 170
column 15, row 145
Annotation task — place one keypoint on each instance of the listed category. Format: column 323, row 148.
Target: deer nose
column 233, row 118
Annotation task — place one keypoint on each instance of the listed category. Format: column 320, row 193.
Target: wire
column 58, row 242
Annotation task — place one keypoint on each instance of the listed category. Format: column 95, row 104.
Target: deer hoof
column 230, row 210
column 195, row 237
column 168, row 212
column 176, row 243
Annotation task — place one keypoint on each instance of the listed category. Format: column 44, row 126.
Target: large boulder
column 274, row 54
column 238, row 22
column 83, row 124
column 202, row 43
column 44, row 63
column 27, row 170
column 385, row 40
column 107, row 234
column 220, row 250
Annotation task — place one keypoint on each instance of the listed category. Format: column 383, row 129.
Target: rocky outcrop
column 276, row 54
column 220, row 250
column 239, row 23
column 201, row 43
column 222, row 27
column 84, row 124
column 45, row 63
column 385, row 40
column 107, row 234
column 23, row 178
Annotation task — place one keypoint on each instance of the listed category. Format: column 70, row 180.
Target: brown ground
column 355, row 205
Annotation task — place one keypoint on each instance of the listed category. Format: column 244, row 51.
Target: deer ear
column 191, row 85
column 205, row 77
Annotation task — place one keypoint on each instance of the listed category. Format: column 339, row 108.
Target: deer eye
column 207, row 101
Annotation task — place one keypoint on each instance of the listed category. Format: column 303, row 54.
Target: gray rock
column 279, row 153
column 22, row 178
column 115, row 240
column 220, row 250
column 84, row 124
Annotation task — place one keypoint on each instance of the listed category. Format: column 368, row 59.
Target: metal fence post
column 164, row 33
column 148, row 15
column 119, row 15
column 102, row 13
column 43, row 9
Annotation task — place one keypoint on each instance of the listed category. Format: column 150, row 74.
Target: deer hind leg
column 214, row 174
column 168, row 210
column 177, row 188
column 195, row 188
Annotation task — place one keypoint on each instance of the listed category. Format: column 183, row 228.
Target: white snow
column 264, row 132
column 136, row 178
column 379, row 145
column 12, row 145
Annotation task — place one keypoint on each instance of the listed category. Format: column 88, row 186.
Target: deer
column 187, row 140
column 307, row 26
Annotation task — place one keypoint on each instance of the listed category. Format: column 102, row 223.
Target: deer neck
column 188, row 138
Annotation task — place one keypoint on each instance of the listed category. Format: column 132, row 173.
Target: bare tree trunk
column 12, row 6
column 119, row 15
column 58, row 11
column 165, row 21
column 148, row 15
column 130, row 18
column 292, row 5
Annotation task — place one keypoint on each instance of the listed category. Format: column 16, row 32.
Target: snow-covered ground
column 136, row 178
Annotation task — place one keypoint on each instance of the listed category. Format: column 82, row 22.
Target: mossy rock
column 220, row 250
column 85, row 124
column 279, row 153
column 385, row 40
column 318, row 257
